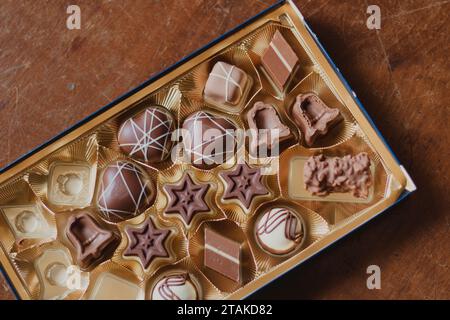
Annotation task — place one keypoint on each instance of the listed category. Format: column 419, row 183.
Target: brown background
column 51, row 77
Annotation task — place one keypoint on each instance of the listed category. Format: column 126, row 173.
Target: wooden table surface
column 51, row 77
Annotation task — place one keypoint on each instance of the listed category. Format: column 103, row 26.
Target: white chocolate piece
column 27, row 222
column 51, row 268
column 175, row 287
column 57, row 275
column 111, row 287
column 279, row 231
column 71, row 184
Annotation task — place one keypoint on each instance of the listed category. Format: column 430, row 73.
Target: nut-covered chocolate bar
column 235, row 166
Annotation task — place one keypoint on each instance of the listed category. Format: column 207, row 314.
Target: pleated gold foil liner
column 336, row 206
column 314, row 228
column 257, row 43
column 233, row 208
column 193, row 84
column 206, row 290
column 107, row 156
column 173, row 176
column 175, row 244
column 342, row 131
column 16, row 200
column 231, row 230
column 169, row 98
column 110, row 281
column 42, row 178
column 35, row 268
column 62, row 224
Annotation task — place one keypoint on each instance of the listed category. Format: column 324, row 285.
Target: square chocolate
column 226, row 84
column 71, row 184
column 279, row 60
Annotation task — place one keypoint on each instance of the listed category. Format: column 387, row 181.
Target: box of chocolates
column 206, row 182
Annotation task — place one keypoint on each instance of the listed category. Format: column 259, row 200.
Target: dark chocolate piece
column 124, row 192
column 187, row 198
column 313, row 117
column 92, row 243
column 279, row 231
column 209, row 140
column 244, row 184
column 324, row 175
column 222, row 255
column 146, row 242
column 147, row 135
column 279, row 60
column 226, row 84
column 269, row 131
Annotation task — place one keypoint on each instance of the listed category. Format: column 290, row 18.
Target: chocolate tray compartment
column 147, row 142
column 257, row 44
column 192, row 85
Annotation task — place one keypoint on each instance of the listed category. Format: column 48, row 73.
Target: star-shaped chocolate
column 187, row 198
column 244, row 184
column 146, row 242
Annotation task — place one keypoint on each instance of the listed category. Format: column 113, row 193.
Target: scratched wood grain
column 51, row 77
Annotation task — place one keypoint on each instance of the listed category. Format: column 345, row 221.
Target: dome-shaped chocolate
column 124, row 191
column 147, row 135
column 209, row 140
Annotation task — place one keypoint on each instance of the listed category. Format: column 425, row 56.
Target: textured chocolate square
column 226, row 84
column 222, row 255
column 279, row 60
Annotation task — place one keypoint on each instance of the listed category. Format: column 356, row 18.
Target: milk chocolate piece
column 268, row 130
column 222, row 255
column 279, row 231
column 124, row 191
column 146, row 242
column 177, row 286
column 279, row 60
column 226, row 84
column 324, row 175
column 243, row 184
column 210, row 139
column 147, row 135
column 313, row 117
column 187, row 198
column 92, row 243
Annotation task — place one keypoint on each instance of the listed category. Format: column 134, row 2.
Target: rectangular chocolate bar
column 222, row 255
column 279, row 60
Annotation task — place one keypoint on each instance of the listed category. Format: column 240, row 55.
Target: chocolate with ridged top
column 324, row 175
column 146, row 242
column 243, row 184
column 187, row 198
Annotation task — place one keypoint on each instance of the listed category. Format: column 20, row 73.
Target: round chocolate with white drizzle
column 279, row 231
column 177, row 286
column 124, row 191
column 147, row 135
column 209, row 140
